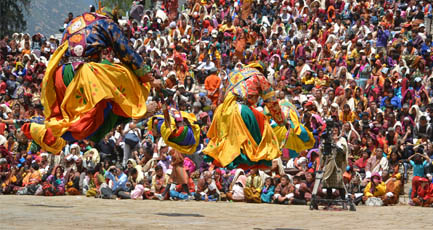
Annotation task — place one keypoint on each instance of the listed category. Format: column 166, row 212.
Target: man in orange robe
column 212, row 85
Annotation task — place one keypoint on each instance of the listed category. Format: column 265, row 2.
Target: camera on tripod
column 326, row 136
column 333, row 154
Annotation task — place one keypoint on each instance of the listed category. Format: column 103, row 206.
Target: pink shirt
column 137, row 193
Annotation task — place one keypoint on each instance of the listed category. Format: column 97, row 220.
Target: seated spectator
column 106, row 148
column 253, row 187
column 267, row 191
column 347, row 115
column 424, row 193
column 134, row 186
column 376, row 163
column 361, row 163
column 375, row 188
column 300, row 190
column 132, row 164
column 138, row 191
column 284, row 192
column 12, row 182
column 308, row 190
column 393, row 185
column 353, row 182
column 31, row 181
column 422, row 129
column 118, row 179
column 133, row 180
column 207, row 189
column 308, row 80
column 54, row 184
column 159, row 180
column 148, row 194
column 92, row 183
column 236, row 190
column 178, row 194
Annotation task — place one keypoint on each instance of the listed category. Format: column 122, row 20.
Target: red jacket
column 425, row 192
column 361, row 163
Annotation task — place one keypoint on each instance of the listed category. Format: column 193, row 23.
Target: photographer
column 119, row 180
column 335, row 154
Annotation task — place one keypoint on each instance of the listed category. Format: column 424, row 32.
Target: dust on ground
column 79, row 212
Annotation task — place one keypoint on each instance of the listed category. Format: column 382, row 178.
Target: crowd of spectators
column 367, row 65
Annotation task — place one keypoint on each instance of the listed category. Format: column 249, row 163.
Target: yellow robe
column 92, row 83
column 228, row 135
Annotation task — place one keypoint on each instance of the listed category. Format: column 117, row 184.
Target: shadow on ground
column 49, row 206
column 178, row 214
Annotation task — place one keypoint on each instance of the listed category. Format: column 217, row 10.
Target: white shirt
column 205, row 66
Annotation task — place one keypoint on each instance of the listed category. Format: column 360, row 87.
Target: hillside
column 47, row 16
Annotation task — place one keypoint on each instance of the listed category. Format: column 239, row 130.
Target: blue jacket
column 395, row 102
column 382, row 38
column 267, row 196
column 120, row 182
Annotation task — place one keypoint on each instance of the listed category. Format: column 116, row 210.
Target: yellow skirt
column 92, row 83
column 228, row 136
column 294, row 142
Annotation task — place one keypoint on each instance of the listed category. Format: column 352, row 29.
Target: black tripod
column 317, row 201
column 328, row 148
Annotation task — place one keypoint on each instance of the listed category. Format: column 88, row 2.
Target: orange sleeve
column 207, row 84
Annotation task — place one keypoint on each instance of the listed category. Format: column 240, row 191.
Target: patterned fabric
column 248, row 83
column 235, row 141
column 51, row 190
column 184, row 136
column 184, row 139
column 89, row 34
column 87, row 102
column 334, row 165
column 254, row 121
column 299, row 138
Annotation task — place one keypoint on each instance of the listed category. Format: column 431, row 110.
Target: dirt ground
column 78, row 212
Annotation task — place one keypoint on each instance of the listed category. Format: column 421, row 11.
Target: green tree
column 12, row 16
column 122, row 5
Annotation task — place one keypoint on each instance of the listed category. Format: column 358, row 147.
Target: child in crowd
column 267, row 191
column 207, row 189
column 418, row 165
column 284, row 192
column 138, row 191
column 159, row 180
